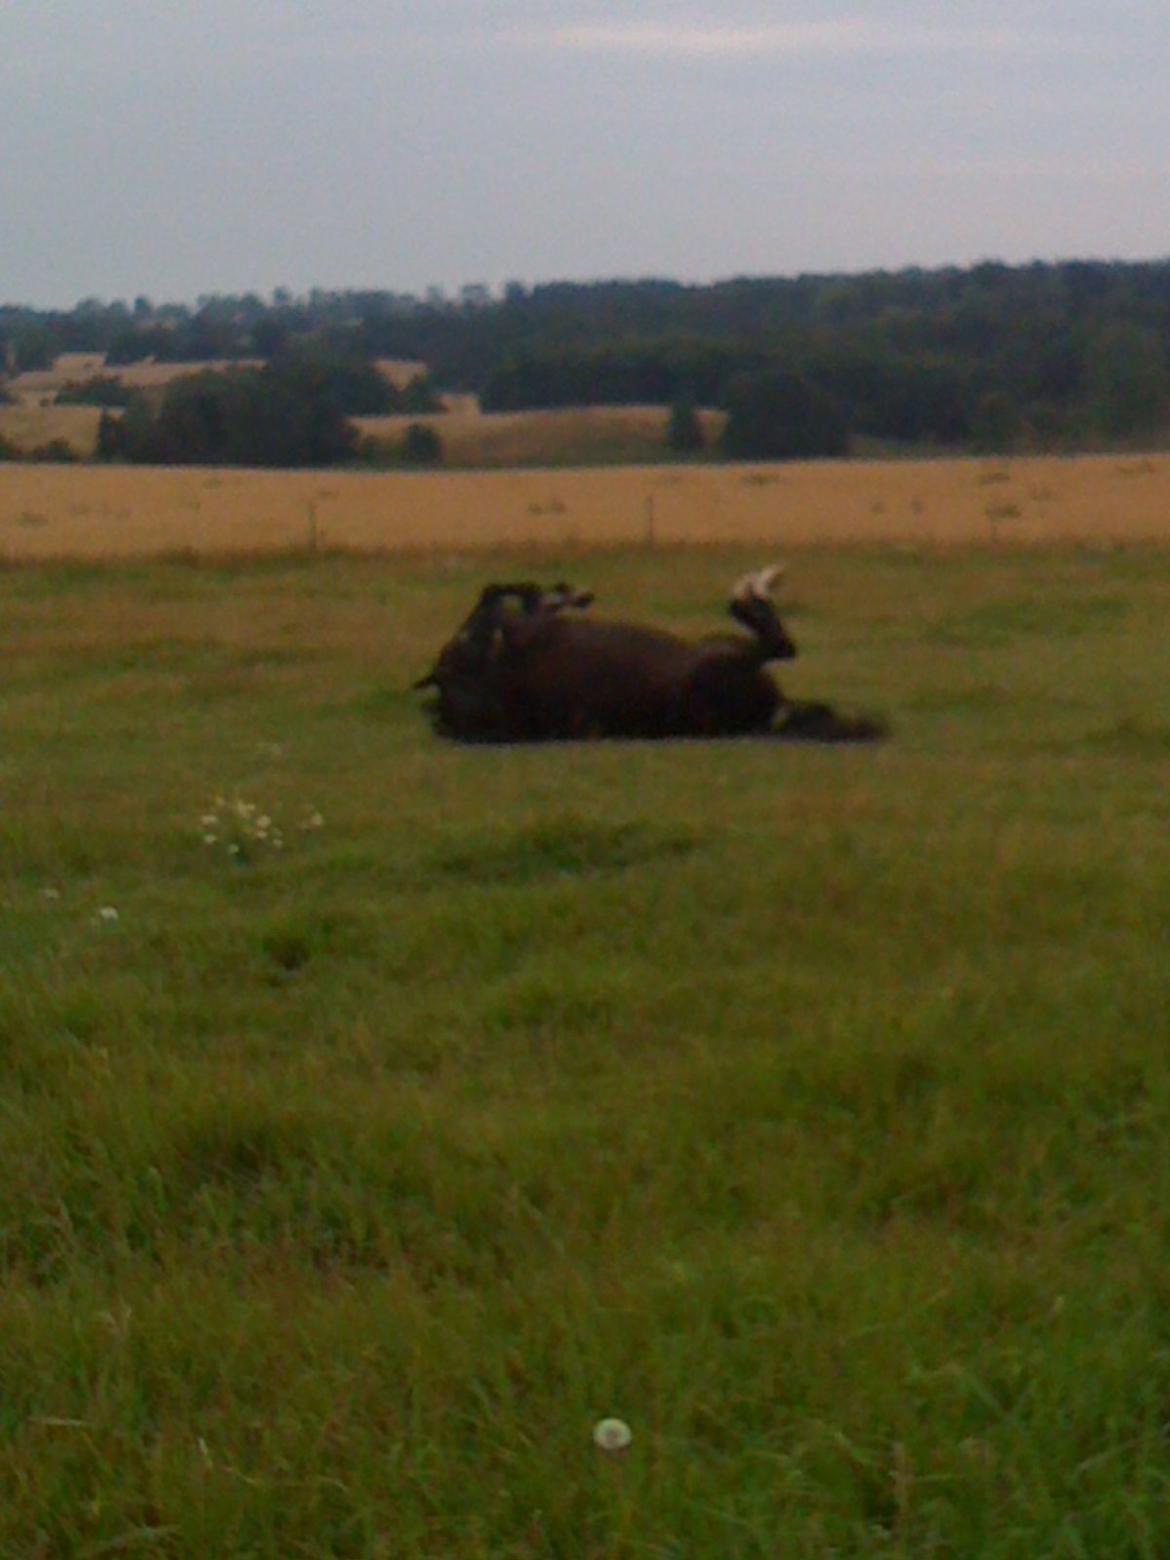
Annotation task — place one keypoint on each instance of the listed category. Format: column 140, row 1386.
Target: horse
column 532, row 664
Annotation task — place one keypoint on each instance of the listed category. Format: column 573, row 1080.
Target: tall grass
column 805, row 1108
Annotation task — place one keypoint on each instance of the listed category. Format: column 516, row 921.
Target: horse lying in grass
column 530, row 665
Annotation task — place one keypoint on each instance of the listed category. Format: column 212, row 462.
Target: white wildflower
column 243, row 829
column 107, row 913
column 612, row 1436
column 50, row 893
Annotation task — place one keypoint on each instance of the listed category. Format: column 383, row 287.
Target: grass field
column 379, row 1114
column 104, row 512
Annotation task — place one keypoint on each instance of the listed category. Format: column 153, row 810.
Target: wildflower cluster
column 244, row 831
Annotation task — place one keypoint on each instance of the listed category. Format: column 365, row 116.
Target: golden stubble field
column 574, row 436
column 567, row 437
column 27, row 424
column 98, row 512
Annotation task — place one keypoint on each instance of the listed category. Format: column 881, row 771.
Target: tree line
column 296, row 410
column 1045, row 356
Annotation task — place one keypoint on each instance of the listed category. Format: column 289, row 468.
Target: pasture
column 379, row 1114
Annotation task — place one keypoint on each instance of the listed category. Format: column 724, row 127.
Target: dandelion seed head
column 612, row 1436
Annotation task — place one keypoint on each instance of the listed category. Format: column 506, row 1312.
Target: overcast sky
column 176, row 147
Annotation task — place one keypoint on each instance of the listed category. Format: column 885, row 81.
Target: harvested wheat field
column 574, row 436
column 97, row 512
column 38, row 386
column 27, row 424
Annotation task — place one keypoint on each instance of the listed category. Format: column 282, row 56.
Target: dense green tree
column 996, row 423
column 136, row 343
column 101, row 390
column 54, row 452
column 420, row 395
column 110, row 443
column 1127, row 380
column 618, row 373
column 34, row 347
column 276, row 416
column 421, row 446
column 779, row 415
column 684, row 431
column 269, row 337
column 349, row 382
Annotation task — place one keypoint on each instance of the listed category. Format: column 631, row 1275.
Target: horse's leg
column 751, row 604
column 806, row 720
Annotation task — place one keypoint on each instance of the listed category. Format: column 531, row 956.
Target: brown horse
column 530, row 664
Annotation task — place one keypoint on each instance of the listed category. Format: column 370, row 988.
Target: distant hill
column 1050, row 355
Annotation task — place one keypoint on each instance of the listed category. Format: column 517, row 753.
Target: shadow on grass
column 563, row 846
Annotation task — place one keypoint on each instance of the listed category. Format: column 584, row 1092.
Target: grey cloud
column 162, row 147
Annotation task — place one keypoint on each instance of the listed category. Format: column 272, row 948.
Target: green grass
column 806, row 1108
